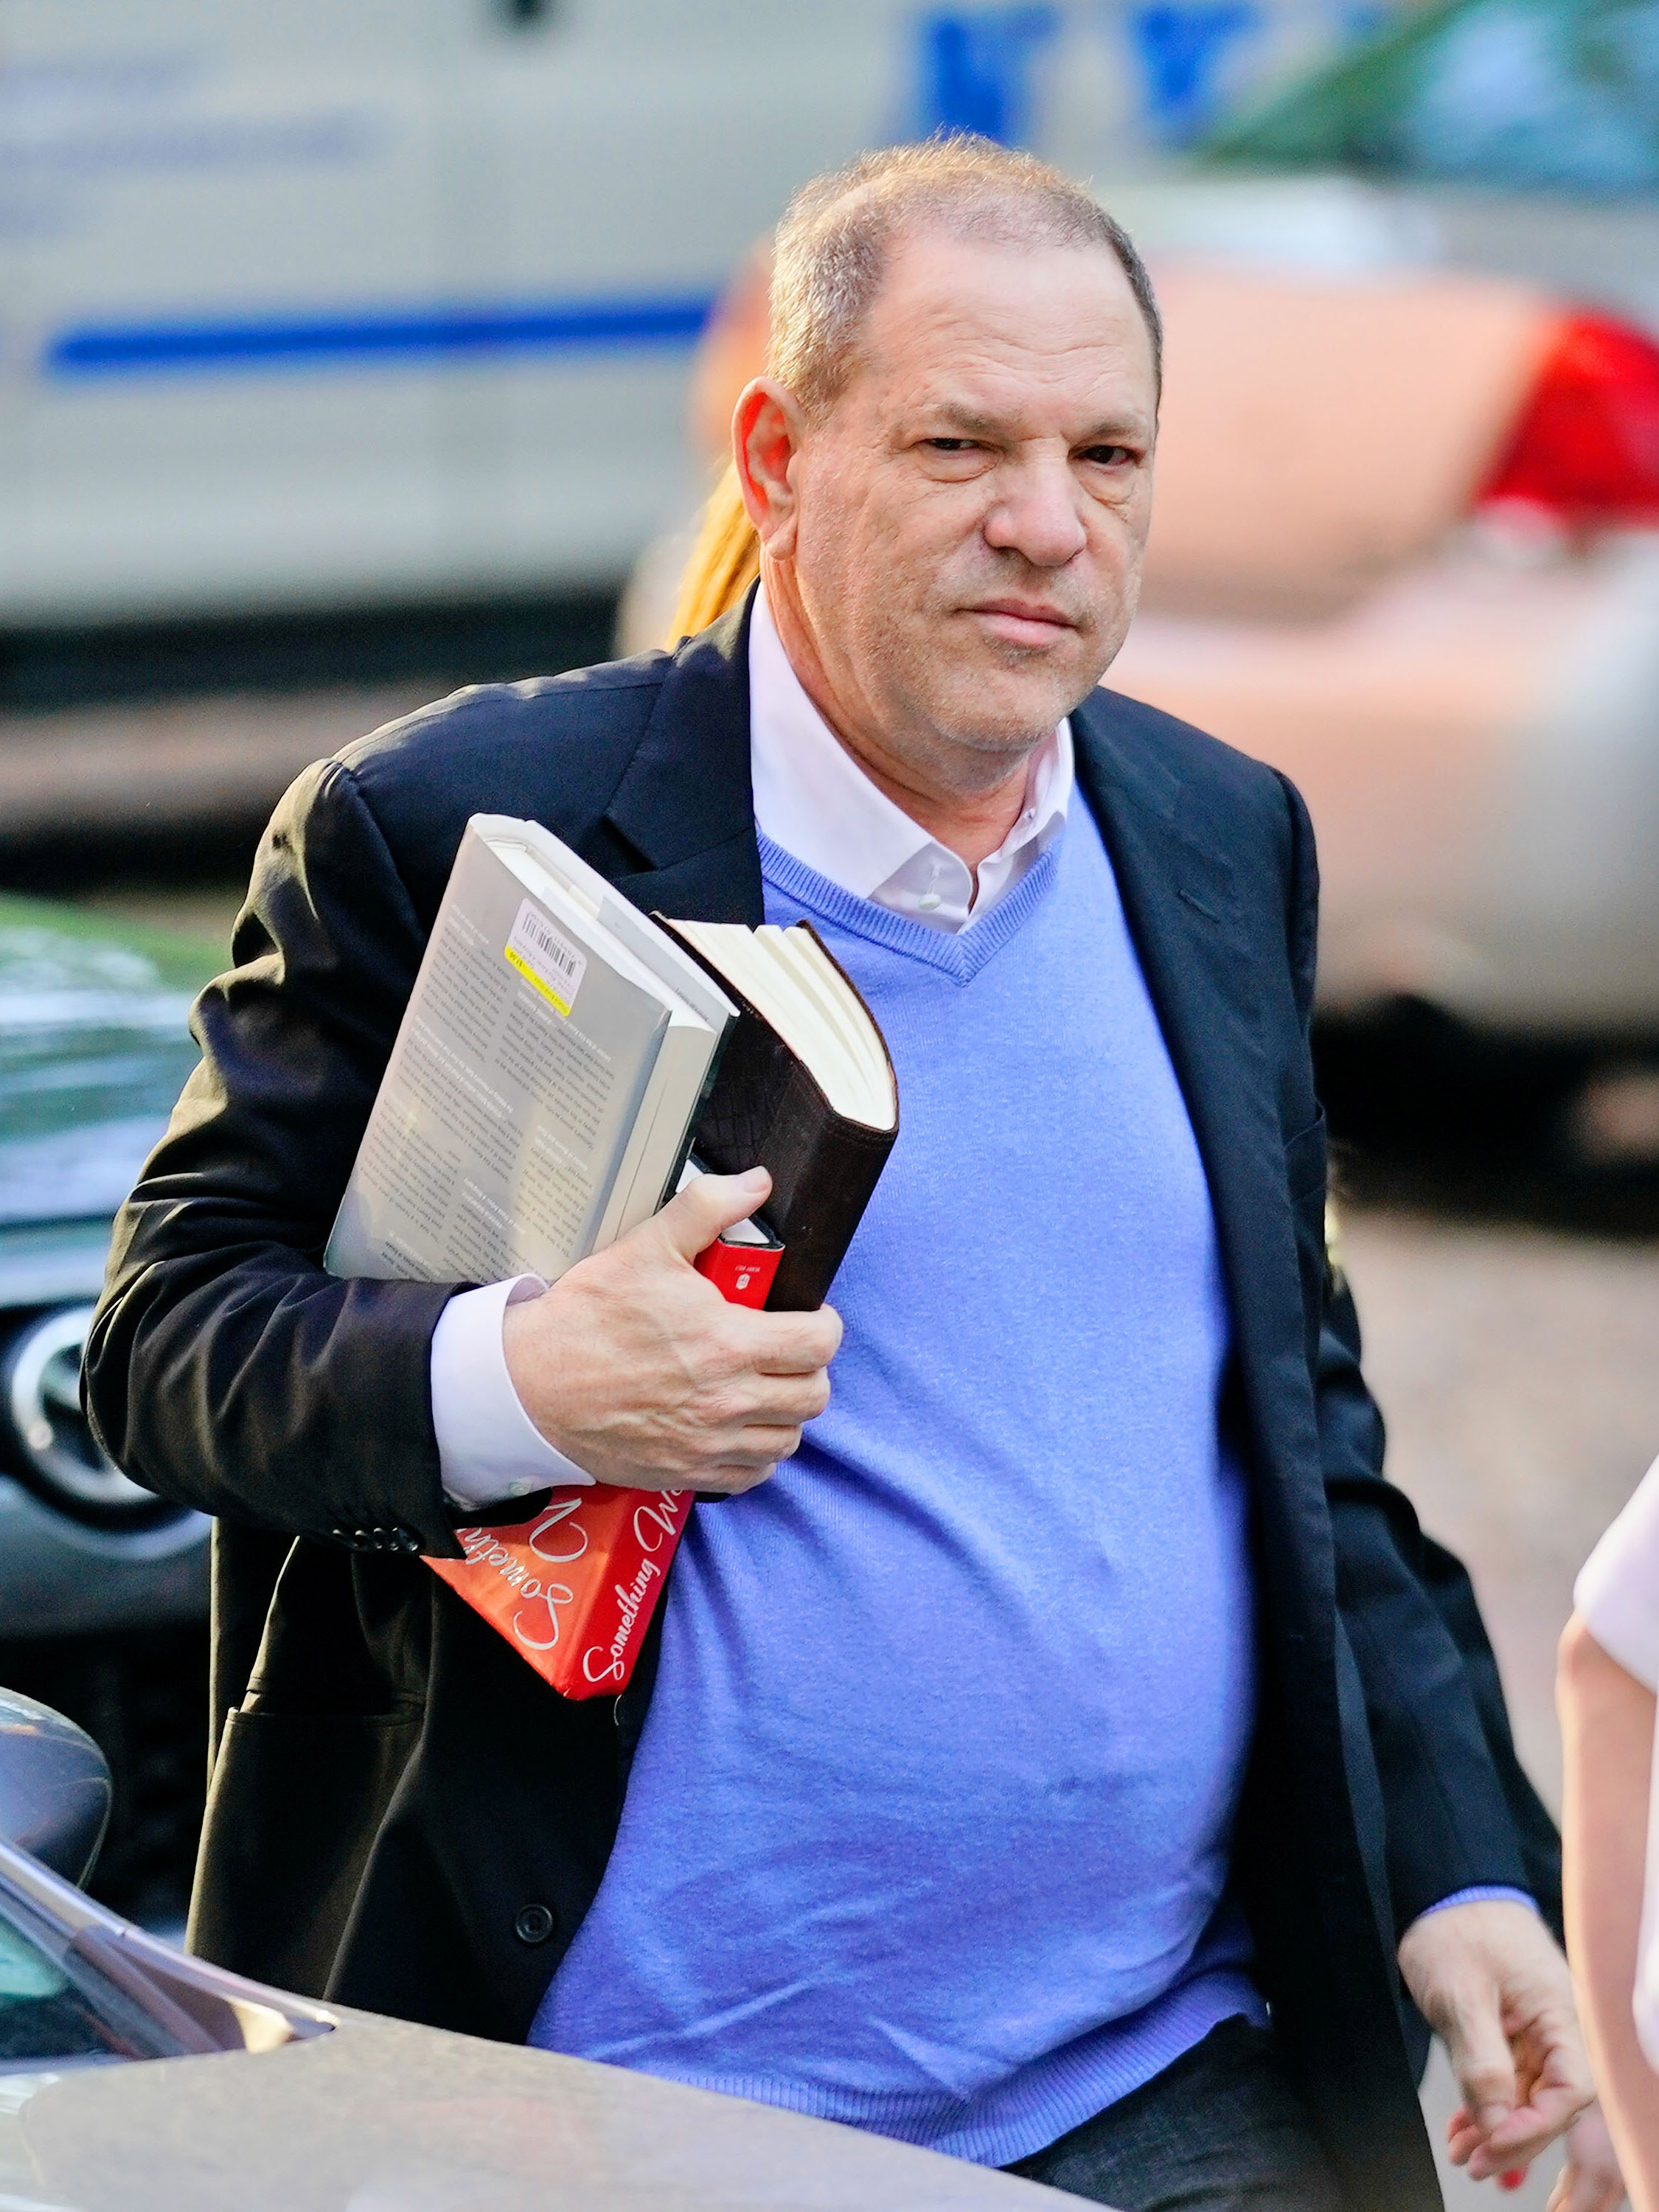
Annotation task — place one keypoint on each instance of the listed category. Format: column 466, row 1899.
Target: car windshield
column 58, row 2007
column 1518, row 95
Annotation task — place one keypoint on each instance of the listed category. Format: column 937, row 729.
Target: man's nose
column 1035, row 514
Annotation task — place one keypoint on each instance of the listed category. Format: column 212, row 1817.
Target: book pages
column 507, row 1104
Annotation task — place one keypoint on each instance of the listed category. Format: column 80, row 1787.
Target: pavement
column 1517, row 1369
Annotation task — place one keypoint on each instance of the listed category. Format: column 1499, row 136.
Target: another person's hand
column 636, row 1367
column 1590, row 2180
column 1493, row 1984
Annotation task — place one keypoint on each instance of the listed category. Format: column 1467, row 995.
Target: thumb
column 691, row 1222
column 1481, row 2059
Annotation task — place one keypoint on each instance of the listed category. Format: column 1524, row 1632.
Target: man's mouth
column 1023, row 622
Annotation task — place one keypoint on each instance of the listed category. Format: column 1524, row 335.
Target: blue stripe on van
column 161, row 348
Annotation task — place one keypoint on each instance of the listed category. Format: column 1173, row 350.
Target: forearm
column 254, row 1386
column 1606, row 1729
column 225, row 1368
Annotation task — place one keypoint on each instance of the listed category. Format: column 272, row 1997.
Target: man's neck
column 971, row 823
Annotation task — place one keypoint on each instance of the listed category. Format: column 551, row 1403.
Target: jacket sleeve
column 1459, row 1812
column 225, row 1369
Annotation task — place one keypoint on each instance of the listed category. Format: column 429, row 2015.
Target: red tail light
column 1586, row 448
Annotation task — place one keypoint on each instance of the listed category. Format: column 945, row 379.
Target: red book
column 574, row 1589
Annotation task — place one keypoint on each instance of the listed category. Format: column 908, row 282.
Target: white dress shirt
column 813, row 799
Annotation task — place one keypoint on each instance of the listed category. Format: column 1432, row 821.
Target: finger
column 786, row 1399
column 1479, row 2054
column 795, row 1344
column 1555, row 2095
column 1462, row 2136
column 690, row 1222
column 1529, row 2129
column 1550, row 2110
column 761, row 1445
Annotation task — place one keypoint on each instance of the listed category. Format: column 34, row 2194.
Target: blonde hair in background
column 724, row 562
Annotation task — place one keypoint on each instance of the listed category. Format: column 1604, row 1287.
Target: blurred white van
column 321, row 302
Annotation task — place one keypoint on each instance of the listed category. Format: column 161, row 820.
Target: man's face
column 972, row 509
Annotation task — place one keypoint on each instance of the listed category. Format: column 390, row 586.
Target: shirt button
column 533, row 1923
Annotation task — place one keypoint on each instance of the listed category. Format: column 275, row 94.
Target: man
column 1074, row 1692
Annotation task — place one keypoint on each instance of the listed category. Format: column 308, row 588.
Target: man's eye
column 950, row 445
column 1108, row 456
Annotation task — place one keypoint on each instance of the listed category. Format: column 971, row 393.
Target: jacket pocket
column 295, row 1803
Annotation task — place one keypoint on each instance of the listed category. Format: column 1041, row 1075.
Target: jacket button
column 534, row 1923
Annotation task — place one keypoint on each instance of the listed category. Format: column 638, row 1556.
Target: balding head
column 838, row 237
column 950, row 463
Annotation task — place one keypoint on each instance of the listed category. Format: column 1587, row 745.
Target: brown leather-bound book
column 804, row 1088
column 560, row 1054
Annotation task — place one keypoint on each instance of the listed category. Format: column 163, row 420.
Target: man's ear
column 767, row 430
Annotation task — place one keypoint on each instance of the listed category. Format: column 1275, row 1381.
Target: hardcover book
column 559, row 1055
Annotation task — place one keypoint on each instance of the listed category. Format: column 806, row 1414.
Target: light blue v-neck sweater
column 928, row 1826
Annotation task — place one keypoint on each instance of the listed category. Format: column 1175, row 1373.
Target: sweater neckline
column 961, row 956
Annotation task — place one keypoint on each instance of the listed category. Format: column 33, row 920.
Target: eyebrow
column 972, row 424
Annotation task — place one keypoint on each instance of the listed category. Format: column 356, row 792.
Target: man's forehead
column 974, row 326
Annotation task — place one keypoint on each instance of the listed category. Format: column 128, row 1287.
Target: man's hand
column 1491, row 1981
column 636, row 1367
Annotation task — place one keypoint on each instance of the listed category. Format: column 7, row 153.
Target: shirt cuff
column 1486, row 1893
column 1617, row 1586
column 489, row 1448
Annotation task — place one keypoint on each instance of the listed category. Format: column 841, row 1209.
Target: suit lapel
column 1182, row 898
column 684, row 811
column 685, row 804
column 1201, row 954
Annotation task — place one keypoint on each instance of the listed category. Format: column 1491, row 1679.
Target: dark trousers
column 1221, row 2130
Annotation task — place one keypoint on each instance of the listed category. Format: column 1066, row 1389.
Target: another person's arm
column 1609, row 1661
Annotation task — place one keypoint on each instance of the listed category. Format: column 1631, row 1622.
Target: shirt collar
column 813, row 799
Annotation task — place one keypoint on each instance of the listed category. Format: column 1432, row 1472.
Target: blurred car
column 275, row 2104
column 103, row 1587
column 332, row 304
column 93, row 1051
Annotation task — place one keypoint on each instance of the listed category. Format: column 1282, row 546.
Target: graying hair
column 833, row 244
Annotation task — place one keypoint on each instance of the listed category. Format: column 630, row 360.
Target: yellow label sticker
column 546, row 957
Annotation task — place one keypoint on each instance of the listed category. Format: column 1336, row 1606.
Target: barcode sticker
column 546, row 957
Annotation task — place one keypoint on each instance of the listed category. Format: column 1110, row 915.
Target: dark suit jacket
column 393, row 1787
